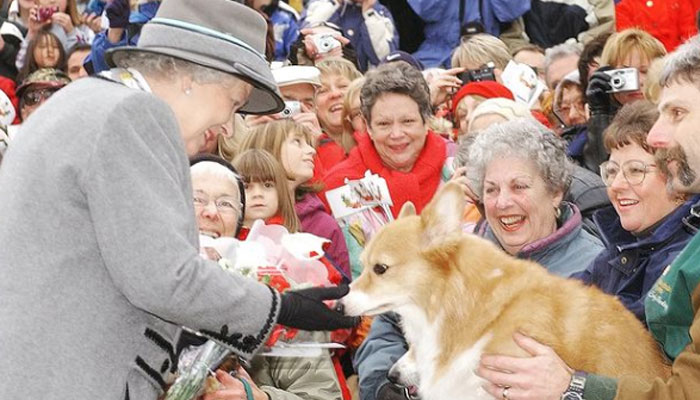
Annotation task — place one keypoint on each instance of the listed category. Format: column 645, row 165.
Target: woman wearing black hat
column 100, row 247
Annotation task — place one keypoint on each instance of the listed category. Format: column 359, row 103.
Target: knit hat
column 487, row 89
column 43, row 78
column 241, row 188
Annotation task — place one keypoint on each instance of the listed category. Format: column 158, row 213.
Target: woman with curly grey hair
column 520, row 172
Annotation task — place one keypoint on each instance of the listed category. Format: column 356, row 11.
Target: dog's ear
column 442, row 217
column 407, row 210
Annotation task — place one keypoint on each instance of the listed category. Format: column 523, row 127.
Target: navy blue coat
column 629, row 266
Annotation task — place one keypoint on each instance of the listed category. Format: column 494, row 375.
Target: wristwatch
column 575, row 389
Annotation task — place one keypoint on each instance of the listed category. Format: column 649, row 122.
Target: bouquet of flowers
column 271, row 255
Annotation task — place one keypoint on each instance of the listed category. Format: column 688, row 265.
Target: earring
column 557, row 212
column 188, row 91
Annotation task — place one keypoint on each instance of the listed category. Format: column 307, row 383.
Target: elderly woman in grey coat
column 519, row 172
column 100, row 263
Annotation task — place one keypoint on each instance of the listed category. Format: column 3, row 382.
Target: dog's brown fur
column 476, row 288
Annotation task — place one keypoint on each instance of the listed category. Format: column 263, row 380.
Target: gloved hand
column 599, row 100
column 304, row 309
column 118, row 12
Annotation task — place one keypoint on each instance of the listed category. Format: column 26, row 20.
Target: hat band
column 205, row 31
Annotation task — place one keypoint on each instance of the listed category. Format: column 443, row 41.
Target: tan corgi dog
column 460, row 296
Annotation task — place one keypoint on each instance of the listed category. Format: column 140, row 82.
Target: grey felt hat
column 219, row 34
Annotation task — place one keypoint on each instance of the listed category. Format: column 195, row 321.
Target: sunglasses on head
column 34, row 97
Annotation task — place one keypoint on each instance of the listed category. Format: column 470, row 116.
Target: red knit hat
column 487, row 89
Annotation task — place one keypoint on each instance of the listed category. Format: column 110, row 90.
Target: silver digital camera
column 325, row 42
column 623, row 80
column 291, row 108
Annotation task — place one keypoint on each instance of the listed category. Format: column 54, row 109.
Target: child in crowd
column 62, row 19
column 291, row 143
column 266, row 191
column 44, row 51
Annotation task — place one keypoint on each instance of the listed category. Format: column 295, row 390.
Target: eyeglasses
column 634, row 171
column 34, row 97
column 564, row 109
column 224, row 204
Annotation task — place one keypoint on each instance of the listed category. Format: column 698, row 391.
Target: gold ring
column 505, row 393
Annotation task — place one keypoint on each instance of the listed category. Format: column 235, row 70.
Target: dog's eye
column 380, row 268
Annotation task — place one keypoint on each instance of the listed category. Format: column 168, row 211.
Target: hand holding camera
column 598, row 92
column 322, row 42
column 44, row 14
column 442, row 83
column 36, row 21
column 291, row 108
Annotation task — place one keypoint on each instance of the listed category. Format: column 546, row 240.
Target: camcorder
column 291, row 108
column 325, row 42
column 623, row 80
column 485, row 73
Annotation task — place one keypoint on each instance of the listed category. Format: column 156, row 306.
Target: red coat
column 417, row 186
column 670, row 21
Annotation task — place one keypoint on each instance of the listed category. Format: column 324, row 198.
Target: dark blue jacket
column 629, row 265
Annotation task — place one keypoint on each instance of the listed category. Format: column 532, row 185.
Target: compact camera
column 623, row 80
column 291, row 108
column 484, row 73
column 325, row 42
column 45, row 13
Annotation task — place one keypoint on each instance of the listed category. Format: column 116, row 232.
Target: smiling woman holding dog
column 520, row 172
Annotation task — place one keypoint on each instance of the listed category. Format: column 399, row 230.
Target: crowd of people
column 129, row 129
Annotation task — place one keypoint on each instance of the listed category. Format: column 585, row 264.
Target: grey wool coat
column 99, row 260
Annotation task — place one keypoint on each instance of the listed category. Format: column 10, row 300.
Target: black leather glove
column 304, row 309
column 600, row 101
column 118, row 12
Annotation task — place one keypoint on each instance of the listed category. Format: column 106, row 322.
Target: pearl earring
column 188, row 91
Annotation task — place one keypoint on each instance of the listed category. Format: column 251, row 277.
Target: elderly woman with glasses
column 644, row 230
column 218, row 196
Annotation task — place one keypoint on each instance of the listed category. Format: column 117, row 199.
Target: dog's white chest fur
column 456, row 380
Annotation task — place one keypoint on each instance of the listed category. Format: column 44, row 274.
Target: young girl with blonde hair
column 291, row 143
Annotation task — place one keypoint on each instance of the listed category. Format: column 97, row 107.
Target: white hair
column 216, row 170
column 526, row 139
